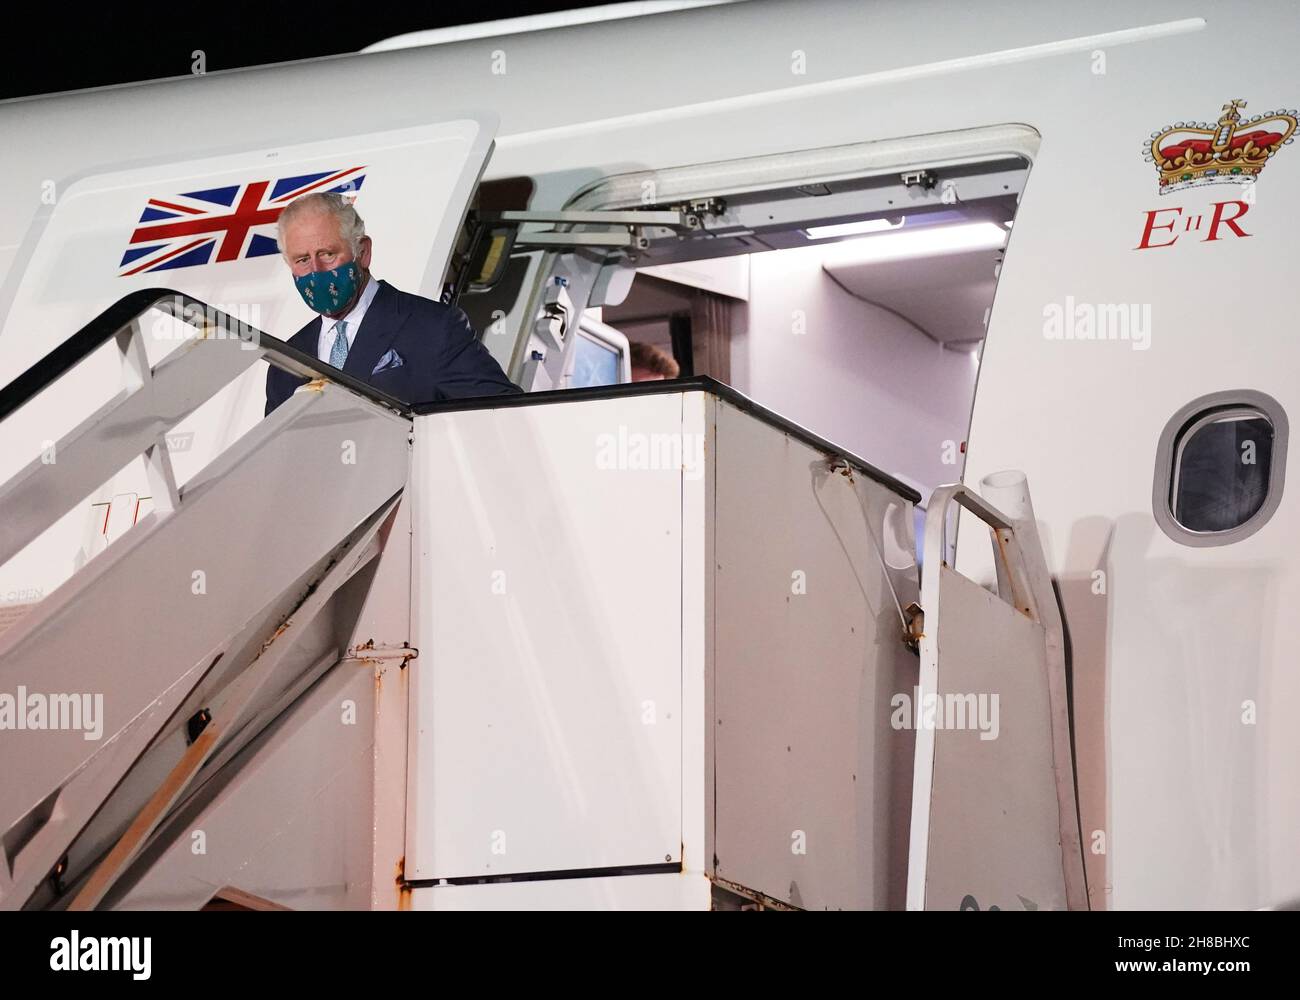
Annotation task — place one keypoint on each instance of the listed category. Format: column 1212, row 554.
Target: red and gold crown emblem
column 1233, row 151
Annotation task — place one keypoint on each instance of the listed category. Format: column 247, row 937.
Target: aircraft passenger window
column 1222, row 470
column 1219, row 468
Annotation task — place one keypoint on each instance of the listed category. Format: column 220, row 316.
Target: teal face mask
column 329, row 291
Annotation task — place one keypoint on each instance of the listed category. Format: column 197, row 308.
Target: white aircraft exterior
column 1140, row 299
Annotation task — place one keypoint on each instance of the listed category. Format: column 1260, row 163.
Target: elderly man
column 412, row 348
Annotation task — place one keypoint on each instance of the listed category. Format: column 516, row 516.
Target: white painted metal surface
column 305, row 781
column 613, row 667
column 991, row 833
column 993, row 823
column 536, row 22
column 812, row 782
column 547, row 697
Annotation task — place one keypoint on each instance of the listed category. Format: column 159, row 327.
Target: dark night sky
column 116, row 43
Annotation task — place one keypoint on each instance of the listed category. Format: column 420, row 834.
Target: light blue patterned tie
column 339, row 350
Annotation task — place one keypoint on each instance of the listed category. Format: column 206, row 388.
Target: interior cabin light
column 860, row 228
column 919, row 243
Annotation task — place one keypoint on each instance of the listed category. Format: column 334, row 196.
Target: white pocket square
column 391, row 359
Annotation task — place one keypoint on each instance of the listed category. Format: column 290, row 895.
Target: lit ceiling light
column 852, row 228
column 919, row 243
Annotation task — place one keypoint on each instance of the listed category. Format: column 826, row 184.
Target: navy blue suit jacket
column 441, row 358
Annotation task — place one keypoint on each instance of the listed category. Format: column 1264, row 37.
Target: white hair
column 351, row 226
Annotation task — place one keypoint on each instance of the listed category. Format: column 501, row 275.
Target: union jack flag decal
column 225, row 223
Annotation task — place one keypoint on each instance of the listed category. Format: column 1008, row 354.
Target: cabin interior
column 856, row 307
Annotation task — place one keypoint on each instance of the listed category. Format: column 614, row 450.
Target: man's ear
column 363, row 255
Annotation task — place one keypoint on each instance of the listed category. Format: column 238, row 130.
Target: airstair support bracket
column 633, row 221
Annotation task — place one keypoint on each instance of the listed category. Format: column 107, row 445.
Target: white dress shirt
column 353, row 318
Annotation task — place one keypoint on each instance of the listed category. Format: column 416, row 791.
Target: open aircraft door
column 994, row 815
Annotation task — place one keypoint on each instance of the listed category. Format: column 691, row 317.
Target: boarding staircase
column 242, row 589
column 209, row 617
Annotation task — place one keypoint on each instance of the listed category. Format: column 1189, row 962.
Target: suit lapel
column 307, row 339
column 379, row 328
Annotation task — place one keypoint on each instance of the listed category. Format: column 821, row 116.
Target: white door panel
column 550, row 641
